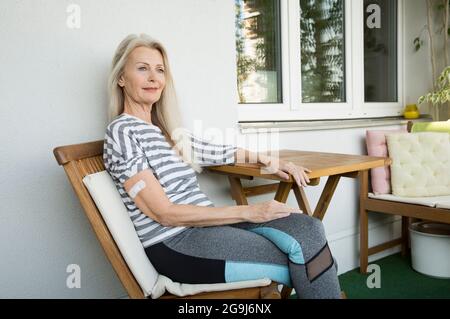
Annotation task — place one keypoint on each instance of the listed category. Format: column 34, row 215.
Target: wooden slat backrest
column 78, row 161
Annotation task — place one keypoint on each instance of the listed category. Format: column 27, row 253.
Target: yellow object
column 411, row 112
column 443, row 126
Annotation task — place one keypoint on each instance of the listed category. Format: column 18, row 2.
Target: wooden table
column 333, row 166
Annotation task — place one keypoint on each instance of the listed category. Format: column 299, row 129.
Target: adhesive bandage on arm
column 136, row 189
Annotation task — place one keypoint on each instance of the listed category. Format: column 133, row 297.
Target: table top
column 321, row 164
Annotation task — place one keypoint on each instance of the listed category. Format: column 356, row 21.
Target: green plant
column 442, row 93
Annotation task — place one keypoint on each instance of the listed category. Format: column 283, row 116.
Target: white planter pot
column 430, row 248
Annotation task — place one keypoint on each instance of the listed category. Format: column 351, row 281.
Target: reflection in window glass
column 380, row 50
column 322, row 51
column 258, row 51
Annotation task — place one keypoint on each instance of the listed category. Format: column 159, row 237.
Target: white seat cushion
column 182, row 290
column 433, row 201
column 443, row 204
column 420, row 164
column 107, row 199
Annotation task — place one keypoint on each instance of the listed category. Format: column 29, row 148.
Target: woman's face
column 143, row 78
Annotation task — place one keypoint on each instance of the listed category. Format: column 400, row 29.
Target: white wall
column 417, row 64
column 53, row 93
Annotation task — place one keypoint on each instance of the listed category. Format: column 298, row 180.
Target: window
column 380, row 51
column 322, row 51
column 258, row 51
column 318, row 59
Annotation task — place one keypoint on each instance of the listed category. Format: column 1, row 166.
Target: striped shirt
column 132, row 145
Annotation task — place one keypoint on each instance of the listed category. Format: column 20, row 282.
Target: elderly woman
column 184, row 235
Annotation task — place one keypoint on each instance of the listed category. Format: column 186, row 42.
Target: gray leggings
column 292, row 251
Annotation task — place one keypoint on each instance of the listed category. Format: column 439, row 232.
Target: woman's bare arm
column 153, row 202
column 275, row 165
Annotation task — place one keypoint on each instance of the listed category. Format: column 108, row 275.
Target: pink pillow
column 377, row 146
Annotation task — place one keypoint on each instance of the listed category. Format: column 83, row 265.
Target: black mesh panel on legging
column 319, row 264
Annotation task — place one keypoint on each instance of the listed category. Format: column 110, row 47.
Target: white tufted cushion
column 431, row 201
column 107, row 199
column 420, row 164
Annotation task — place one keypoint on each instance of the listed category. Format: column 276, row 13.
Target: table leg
column 237, row 191
column 363, row 222
column 302, row 200
column 326, row 196
column 283, row 192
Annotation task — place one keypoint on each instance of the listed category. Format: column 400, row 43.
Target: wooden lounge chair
column 84, row 159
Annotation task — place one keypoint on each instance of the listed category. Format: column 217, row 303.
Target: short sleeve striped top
column 132, row 145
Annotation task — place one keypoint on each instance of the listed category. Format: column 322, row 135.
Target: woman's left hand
column 299, row 173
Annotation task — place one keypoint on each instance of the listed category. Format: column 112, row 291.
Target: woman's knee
column 308, row 226
column 317, row 226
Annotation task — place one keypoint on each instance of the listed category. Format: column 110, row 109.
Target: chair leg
column 270, row 292
column 363, row 222
column 363, row 241
column 286, row 292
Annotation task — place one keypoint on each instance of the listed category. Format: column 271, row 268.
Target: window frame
column 292, row 108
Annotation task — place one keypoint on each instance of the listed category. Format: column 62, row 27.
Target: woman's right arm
column 153, row 202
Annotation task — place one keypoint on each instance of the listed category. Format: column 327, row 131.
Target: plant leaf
column 421, row 99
